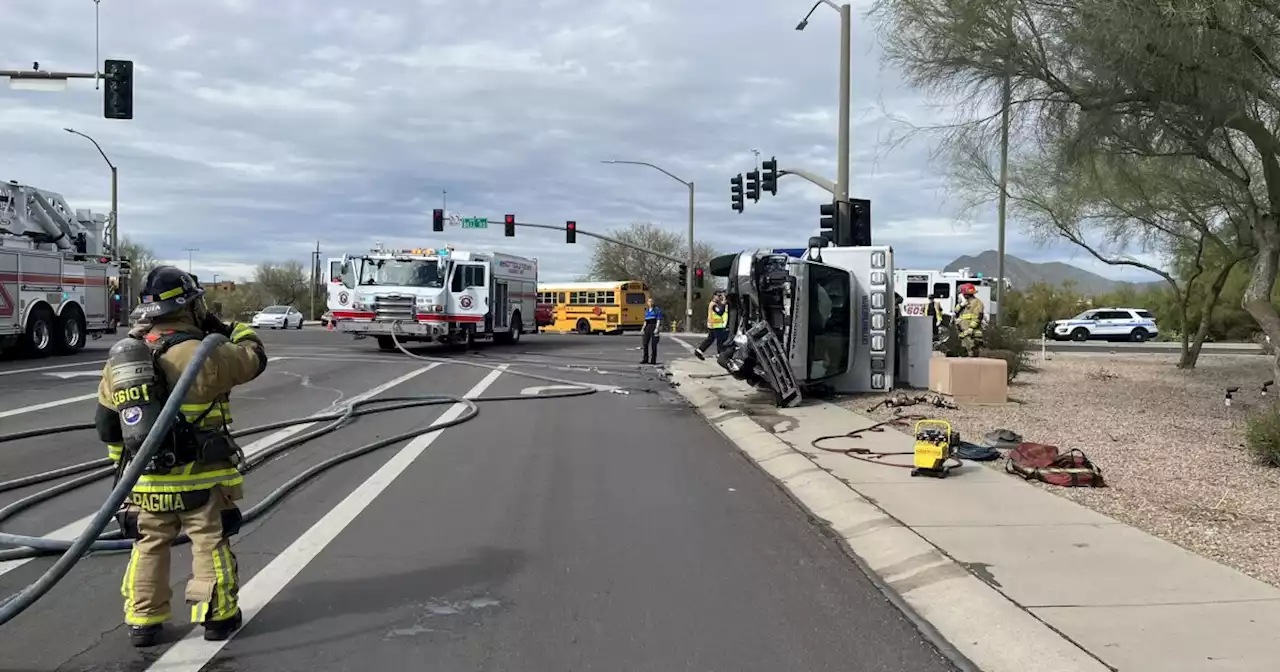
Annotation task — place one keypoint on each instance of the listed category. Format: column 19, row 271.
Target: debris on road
column 1171, row 450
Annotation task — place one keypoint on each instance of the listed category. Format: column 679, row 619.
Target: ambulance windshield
column 830, row 324
column 401, row 273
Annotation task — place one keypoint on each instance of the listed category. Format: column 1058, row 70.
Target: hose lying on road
column 93, row 537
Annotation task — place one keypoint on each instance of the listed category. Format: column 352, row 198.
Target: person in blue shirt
column 649, row 336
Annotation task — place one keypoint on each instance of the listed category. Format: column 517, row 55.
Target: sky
column 262, row 128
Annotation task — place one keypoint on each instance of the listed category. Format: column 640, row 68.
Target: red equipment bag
column 1036, row 461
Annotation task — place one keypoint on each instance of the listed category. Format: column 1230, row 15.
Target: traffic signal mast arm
column 582, row 232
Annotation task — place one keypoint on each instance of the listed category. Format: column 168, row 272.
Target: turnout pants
column 213, row 590
column 649, row 343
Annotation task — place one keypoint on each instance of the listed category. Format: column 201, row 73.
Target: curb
column 970, row 623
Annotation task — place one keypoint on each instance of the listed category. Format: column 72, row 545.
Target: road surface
column 609, row 532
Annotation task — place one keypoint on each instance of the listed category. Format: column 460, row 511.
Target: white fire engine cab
column 915, row 287
column 436, row 295
column 58, row 277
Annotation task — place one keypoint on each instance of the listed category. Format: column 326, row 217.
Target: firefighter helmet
column 968, row 289
column 166, row 290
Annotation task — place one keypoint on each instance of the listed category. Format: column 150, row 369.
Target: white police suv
column 1105, row 324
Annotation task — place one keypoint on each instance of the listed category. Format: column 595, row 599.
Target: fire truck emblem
column 465, row 302
column 343, row 297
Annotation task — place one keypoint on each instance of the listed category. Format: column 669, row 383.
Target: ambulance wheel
column 70, row 330
column 40, row 338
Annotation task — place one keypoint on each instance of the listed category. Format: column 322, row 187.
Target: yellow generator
column 933, row 448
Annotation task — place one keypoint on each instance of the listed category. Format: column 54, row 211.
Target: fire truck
column 439, row 295
column 58, row 277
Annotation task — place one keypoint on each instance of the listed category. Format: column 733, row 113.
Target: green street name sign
column 475, row 223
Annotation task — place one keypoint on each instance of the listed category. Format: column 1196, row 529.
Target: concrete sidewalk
column 1014, row 577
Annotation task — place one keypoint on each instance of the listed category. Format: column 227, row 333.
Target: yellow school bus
column 595, row 307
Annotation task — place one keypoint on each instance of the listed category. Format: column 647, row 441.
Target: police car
column 1105, row 324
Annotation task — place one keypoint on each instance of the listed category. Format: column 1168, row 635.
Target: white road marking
column 535, row 391
column 70, row 532
column 682, row 342
column 192, row 653
column 48, row 404
column 96, row 373
column 52, row 366
column 70, row 400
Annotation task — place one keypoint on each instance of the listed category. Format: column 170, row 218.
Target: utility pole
column 315, row 278
column 190, row 255
column 1002, row 207
column 444, row 201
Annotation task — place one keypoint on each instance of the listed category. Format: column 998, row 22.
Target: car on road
column 277, row 317
column 326, row 318
column 544, row 315
column 1105, row 324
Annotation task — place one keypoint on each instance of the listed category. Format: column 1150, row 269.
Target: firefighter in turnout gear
column 969, row 321
column 194, row 481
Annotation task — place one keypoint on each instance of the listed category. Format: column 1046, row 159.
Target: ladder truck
column 59, row 279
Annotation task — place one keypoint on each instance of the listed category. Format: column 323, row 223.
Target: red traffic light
column 511, row 219
column 570, row 225
column 697, row 272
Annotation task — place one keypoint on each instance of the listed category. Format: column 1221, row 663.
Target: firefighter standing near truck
column 969, row 321
column 194, row 480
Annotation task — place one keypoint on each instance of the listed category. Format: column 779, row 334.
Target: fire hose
column 93, row 538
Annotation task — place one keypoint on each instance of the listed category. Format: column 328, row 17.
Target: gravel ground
column 1171, row 454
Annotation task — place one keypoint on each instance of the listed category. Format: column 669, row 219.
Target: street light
column 842, row 138
column 688, row 292
column 115, row 224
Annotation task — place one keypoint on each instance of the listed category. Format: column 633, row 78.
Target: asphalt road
column 609, row 532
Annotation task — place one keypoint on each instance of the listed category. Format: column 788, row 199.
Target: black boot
column 143, row 636
column 216, row 631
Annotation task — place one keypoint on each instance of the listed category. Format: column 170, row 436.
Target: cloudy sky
column 264, row 126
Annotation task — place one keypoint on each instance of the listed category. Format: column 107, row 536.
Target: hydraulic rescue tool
column 147, row 417
column 932, row 449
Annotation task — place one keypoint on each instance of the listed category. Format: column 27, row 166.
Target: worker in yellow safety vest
column 717, row 325
column 193, row 481
column 969, row 317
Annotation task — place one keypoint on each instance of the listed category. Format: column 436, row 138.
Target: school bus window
column 635, row 299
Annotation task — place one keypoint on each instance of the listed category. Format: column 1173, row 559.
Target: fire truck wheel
column 517, row 328
column 70, row 330
column 40, row 337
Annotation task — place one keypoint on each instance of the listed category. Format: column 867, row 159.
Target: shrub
column 1262, row 435
column 1005, row 343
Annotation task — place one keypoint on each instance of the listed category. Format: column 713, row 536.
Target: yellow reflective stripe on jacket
column 218, row 413
column 188, row 482
column 240, row 331
column 115, row 451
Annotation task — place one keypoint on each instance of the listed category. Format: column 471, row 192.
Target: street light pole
column 842, row 135
column 115, row 200
column 190, row 255
column 688, row 271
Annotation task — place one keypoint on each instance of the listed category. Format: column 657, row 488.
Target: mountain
column 1023, row 273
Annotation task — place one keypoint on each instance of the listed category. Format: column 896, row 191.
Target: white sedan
column 277, row 317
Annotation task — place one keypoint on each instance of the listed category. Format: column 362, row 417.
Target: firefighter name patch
column 131, row 416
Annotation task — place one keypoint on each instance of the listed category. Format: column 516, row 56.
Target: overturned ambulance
column 824, row 318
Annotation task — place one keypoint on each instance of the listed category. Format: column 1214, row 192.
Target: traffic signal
column 753, row 185
column 510, row 231
column 684, row 275
column 570, row 232
column 827, row 224
column 698, row 278
column 735, row 190
column 437, row 220
column 860, row 222
column 117, row 95
column 769, row 181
